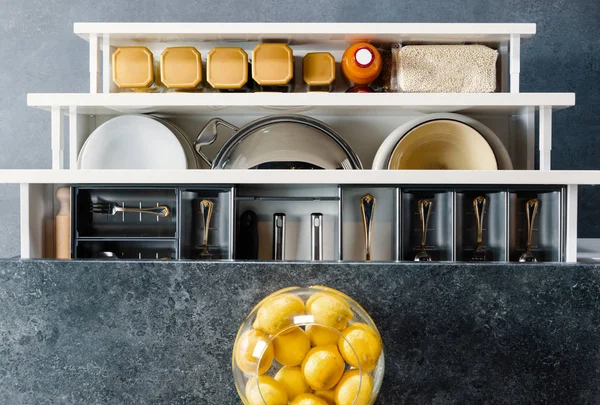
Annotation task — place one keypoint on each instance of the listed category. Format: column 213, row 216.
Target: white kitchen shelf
column 379, row 104
column 104, row 38
column 364, row 177
column 363, row 120
column 305, row 32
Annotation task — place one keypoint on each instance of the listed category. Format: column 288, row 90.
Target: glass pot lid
column 280, row 142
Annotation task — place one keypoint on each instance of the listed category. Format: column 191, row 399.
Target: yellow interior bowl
column 443, row 145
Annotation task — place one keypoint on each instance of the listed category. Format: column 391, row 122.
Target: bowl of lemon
column 308, row 346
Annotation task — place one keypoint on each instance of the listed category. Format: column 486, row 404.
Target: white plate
column 384, row 152
column 132, row 142
column 193, row 159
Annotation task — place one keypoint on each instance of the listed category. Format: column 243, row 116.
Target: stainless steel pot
column 278, row 142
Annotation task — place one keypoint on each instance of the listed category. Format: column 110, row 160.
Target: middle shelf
column 364, row 121
column 379, row 104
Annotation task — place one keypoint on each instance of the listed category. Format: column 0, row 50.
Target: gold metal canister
column 181, row 67
column 273, row 67
column 319, row 71
column 133, row 67
column 227, row 68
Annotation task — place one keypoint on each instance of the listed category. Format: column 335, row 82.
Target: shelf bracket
column 58, row 138
column 545, row 144
column 108, row 85
column 515, row 62
column 94, row 64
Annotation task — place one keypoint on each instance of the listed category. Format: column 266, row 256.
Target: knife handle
column 316, row 236
column 247, row 244
column 278, row 236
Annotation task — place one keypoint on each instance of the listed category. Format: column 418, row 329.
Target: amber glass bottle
column 361, row 63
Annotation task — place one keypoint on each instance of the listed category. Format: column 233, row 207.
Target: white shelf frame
column 105, row 37
column 38, row 186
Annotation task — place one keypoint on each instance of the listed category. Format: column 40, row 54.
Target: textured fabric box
column 446, row 68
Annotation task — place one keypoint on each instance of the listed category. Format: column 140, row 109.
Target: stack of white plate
column 138, row 142
column 442, row 141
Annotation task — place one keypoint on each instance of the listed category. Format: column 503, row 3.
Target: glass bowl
column 310, row 346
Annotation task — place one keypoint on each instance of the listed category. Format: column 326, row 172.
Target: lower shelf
column 396, row 223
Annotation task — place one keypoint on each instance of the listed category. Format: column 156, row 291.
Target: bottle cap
column 319, row 68
column 364, row 57
column 181, row 67
column 227, row 67
column 272, row 64
column 133, row 67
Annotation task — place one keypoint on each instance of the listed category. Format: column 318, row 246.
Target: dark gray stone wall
column 162, row 333
column 40, row 53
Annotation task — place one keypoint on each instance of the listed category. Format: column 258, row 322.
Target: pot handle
column 208, row 135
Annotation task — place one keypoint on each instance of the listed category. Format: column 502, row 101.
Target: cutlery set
column 248, row 237
column 425, row 208
column 316, row 236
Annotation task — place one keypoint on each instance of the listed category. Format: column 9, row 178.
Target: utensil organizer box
column 131, row 235
column 451, row 232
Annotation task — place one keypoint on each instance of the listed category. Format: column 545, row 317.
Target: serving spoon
column 424, row 205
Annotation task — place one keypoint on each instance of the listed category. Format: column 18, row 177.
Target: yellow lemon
column 308, row 399
column 313, row 297
column 278, row 292
column 291, row 348
column 329, row 309
column 292, row 380
column 347, row 390
column 321, row 336
column 265, row 390
column 248, row 350
column 278, row 313
column 323, row 367
column 332, row 290
column 366, row 344
column 328, row 396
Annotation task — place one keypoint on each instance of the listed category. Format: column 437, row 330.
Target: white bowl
column 443, row 145
column 382, row 158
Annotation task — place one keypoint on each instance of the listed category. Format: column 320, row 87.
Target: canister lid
column 181, row 67
column 272, row 64
column 319, row 68
column 133, row 67
column 227, row 67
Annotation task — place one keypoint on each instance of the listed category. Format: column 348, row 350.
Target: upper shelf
column 303, row 33
column 323, row 103
column 333, row 177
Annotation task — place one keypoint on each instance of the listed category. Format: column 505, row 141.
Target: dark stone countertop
column 78, row 332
